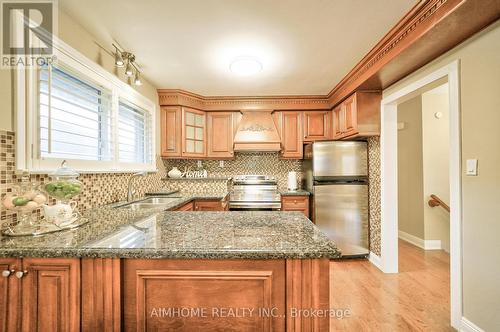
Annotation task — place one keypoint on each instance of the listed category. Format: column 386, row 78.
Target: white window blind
column 134, row 134
column 75, row 117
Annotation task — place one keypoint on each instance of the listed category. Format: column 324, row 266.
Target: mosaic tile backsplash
column 374, row 193
column 266, row 163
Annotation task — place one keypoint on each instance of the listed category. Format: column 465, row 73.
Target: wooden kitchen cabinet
column 295, row 203
column 41, row 294
column 220, row 135
column 358, row 115
column 186, row 207
column 317, row 125
column 211, row 284
column 290, row 129
column 210, row 205
column 10, row 295
column 193, row 133
column 171, row 133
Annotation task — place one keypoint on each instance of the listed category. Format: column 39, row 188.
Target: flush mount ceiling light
column 245, row 66
column 122, row 57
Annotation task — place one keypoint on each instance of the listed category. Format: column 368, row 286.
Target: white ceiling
column 305, row 46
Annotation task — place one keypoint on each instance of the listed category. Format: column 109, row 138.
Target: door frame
column 388, row 260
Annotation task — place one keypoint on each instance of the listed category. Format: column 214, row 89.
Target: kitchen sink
column 158, row 200
column 148, row 203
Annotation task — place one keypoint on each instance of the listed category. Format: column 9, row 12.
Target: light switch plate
column 471, row 167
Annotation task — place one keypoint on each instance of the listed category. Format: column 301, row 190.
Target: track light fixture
column 127, row 60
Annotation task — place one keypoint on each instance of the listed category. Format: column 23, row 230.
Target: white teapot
column 61, row 214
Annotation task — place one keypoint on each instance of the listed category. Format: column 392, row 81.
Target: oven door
column 254, row 206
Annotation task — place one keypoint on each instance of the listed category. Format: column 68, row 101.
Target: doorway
column 423, row 170
column 389, row 177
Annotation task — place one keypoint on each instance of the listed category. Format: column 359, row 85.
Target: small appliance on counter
column 292, row 181
column 336, row 174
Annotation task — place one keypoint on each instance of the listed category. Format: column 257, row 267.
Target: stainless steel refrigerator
column 336, row 173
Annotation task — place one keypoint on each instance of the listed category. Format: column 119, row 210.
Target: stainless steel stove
column 254, row 192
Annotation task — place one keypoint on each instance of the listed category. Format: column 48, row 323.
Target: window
column 74, row 117
column 77, row 111
column 133, row 134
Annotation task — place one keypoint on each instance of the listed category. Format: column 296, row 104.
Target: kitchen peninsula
column 125, row 266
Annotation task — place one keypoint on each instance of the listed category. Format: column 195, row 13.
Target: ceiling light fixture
column 245, row 66
column 118, row 58
column 137, row 79
column 122, row 57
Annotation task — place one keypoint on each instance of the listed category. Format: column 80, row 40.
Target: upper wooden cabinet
column 289, row 125
column 317, row 125
column 358, row 115
column 220, row 135
column 171, row 121
column 193, row 133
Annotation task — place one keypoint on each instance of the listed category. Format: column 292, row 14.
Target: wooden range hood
column 257, row 132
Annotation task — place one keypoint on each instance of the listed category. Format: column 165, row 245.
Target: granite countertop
column 298, row 192
column 155, row 233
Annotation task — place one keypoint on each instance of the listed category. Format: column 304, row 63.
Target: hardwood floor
column 415, row 299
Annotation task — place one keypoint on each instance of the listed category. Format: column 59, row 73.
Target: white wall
column 435, row 158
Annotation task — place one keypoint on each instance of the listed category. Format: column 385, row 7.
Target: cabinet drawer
column 186, row 207
column 294, row 202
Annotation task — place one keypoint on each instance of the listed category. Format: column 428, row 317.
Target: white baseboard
column 468, row 326
column 421, row 243
column 375, row 260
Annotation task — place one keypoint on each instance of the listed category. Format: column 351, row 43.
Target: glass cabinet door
column 194, row 132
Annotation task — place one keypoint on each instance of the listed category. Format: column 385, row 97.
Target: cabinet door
column 51, row 294
column 317, row 125
column 10, row 295
column 215, row 205
column 193, row 133
column 208, row 287
column 220, row 135
column 291, row 135
column 296, row 203
column 337, row 115
column 170, row 131
column 350, row 116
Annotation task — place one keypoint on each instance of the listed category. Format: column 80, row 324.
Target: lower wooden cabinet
column 40, row 294
column 295, row 203
column 10, row 295
column 210, row 205
column 186, row 207
column 113, row 294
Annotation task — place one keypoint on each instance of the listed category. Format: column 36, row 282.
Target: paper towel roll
column 292, row 180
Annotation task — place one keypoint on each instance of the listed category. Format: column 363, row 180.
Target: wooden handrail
column 436, row 201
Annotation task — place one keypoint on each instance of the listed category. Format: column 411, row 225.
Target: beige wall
column 410, row 170
column 6, row 115
column 435, row 157
column 480, row 107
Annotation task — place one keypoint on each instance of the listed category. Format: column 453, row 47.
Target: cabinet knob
column 7, row 273
column 20, row 274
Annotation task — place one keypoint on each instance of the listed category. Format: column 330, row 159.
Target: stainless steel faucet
column 130, row 191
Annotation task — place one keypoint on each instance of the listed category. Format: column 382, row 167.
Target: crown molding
column 431, row 28
column 172, row 97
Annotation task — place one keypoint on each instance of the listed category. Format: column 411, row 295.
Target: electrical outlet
column 221, row 163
